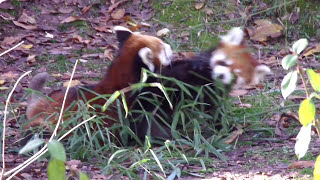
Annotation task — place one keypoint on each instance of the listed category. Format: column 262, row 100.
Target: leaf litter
column 49, row 31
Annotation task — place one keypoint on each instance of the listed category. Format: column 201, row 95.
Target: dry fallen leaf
column 108, row 53
column 265, row 29
column 2, row 81
column 238, row 92
column 25, row 26
column 301, row 164
column 103, row 29
column 26, row 46
column 8, row 41
column 24, row 18
column 233, row 136
column 71, row 19
column 73, row 83
column 86, row 9
column 56, row 75
column 9, row 75
column 312, row 50
column 115, row 5
column 118, row 14
column 2, row 88
column 65, row 10
column 31, row 59
column 163, row 32
column 208, row 11
column 199, row 5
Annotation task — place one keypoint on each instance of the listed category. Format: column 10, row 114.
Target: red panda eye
column 221, row 63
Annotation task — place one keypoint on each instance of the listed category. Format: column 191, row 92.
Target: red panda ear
column 147, row 58
column 122, row 33
column 233, row 37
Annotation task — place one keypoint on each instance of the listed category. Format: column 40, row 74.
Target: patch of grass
column 307, row 171
column 83, row 51
column 16, row 4
column 187, row 24
column 82, row 26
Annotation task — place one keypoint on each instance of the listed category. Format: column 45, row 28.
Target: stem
column 316, row 124
column 302, row 73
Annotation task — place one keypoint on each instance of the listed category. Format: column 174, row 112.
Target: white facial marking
column 217, row 56
column 147, row 58
column 223, row 73
column 121, row 28
column 229, row 62
column 233, row 37
column 166, row 54
column 237, row 70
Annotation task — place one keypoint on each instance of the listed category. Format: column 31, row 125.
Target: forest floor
column 56, row 33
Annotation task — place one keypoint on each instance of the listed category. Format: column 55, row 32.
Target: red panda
column 230, row 63
column 135, row 52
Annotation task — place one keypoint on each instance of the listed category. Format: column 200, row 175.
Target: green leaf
column 125, row 105
column 288, row 84
column 307, row 112
column 160, row 86
column 314, row 79
column 158, row 162
column 314, row 94
column 288, row 61
column 303, row 141
column 31, row 145
column 57, row 151
column 299, row 45
column 112, row 98
column 316, row 171
column 83, row 176
column 56, row 170
column 116, row 153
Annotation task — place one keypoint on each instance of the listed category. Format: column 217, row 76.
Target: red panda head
column 153, row 52
column 231, row 57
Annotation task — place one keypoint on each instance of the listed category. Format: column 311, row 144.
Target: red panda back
column 135, row 50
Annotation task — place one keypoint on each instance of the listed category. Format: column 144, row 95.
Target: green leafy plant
column 307, row 110
column 56, row 166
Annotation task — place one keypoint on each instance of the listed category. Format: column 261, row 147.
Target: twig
column 5, row 52
column 4, row 122
column 63, row 103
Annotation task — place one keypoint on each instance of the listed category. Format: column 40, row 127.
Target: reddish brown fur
column 119, row 75
column 242, row 59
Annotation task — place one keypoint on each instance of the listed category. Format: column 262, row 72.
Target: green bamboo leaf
column 307, row 112
column 299, row 45
column 288, row 84
column 303, row 141
column 57, row 151
column 288, row 61
column 116, row 153
column 157, row 160
column 160, row 86
column 125, row 105
column 314, row 79
column 56, row 170
column 31, row 145
column 112, row 98
column 316, row 171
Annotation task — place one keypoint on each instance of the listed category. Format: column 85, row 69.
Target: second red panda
column 135, row 52
column 230, row 63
